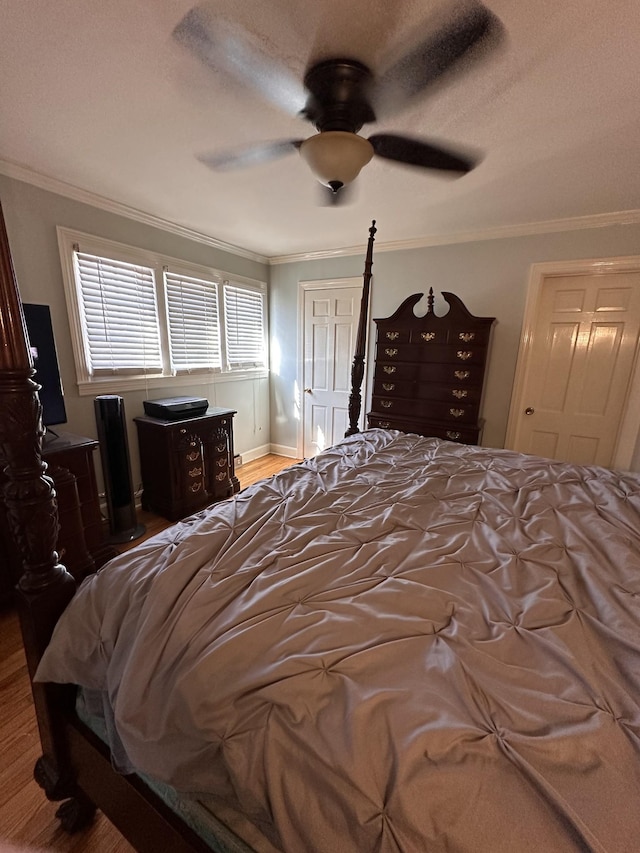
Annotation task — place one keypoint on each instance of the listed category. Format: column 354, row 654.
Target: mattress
column 223, row 828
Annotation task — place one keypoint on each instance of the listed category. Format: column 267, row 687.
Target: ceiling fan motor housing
column 338, row 95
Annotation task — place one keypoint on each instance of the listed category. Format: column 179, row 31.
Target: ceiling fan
column 340, row 95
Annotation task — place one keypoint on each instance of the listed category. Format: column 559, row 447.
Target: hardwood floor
column 251, row 472
column 26, row 817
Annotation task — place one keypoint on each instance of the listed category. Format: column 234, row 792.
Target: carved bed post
column 357, row 370
column 45, row 586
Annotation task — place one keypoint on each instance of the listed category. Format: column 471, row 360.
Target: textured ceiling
column 99, row 95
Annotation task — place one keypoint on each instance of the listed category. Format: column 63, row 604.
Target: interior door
column 331, row 314
column 577, row 373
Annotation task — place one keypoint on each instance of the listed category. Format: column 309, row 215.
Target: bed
column 404, row 644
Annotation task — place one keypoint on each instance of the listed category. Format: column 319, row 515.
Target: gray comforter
column 404, row 644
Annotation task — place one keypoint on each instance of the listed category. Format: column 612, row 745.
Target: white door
column 331, row 314
column 581, row 351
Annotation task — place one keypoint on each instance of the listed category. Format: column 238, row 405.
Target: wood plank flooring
column 26, row 816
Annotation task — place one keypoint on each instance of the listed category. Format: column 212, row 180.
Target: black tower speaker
column 116, row 468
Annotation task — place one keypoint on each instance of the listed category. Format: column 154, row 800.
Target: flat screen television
column 45, row 361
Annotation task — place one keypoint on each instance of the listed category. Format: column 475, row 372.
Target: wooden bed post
column 45, row 587
column 357, row 370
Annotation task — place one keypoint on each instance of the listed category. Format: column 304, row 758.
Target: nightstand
column 186, row 464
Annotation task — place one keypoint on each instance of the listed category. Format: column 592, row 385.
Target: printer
column 176, row 408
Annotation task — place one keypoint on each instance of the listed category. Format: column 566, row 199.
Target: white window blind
column 244, row 326
column 120, row 315
column 194, row 324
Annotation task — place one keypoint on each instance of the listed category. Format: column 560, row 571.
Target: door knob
column 529, row 410
column 307, row 390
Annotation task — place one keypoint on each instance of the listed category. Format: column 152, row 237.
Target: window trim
column 90, row 385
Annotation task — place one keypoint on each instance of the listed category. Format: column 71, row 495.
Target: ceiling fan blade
column 250, row 155
column 224, row 47
column 465, row 36
column 402, row 149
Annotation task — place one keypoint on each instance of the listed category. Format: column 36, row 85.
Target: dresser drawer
column 392, row 336
column 389, row 386
column 459, row 393
column 203, row 432
column 469, row 335
column 396, row 371
column 433, row 336
column 437, row 354
column 454, row 413
column 454, row 375
column 419, row 426
column 455, row 354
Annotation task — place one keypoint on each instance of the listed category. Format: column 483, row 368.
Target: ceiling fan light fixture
column 336, row 156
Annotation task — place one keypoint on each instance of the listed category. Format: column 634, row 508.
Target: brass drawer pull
column 221, row 476
column 462, row 374
column 191, row 457
column 453, row 434
column 384, row 424
column 195, row 487
column 220, row 447
column 393, row 336
column 386, row 404
column 388, row 386
column 428, row 336
column 389, row 368
column 221, row 463
column 467, row 337
column 464, row 354
column 195, row 472
column 457, row 413
column 459, row 394
column 391, row 351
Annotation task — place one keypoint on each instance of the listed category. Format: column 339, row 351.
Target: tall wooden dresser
column 429, row 371
column 186, row 464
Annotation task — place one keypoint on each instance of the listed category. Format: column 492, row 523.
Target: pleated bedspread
column 402, row 645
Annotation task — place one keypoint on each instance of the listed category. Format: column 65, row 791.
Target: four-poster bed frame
column 75, row 766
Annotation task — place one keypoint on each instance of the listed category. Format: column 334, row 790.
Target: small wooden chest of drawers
column 81, row 542
column 429, row 371
column 186, row 464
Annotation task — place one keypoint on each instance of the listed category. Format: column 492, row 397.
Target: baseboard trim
column 255, row 453
column 263, row 450
column 283, row 450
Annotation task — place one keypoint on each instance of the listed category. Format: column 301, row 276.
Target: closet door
column 580, row 358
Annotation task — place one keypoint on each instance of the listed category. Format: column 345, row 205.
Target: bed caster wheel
column 76, row 814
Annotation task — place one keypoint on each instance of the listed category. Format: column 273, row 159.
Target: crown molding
column 574, row 223
column 43, row 182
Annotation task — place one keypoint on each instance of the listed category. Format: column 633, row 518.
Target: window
column 244, row 326
column 119, row 315
column 194, row 324
column 140, row 319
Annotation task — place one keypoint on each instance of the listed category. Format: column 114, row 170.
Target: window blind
column 120, row 315
column 244, row 326
column 194, row 324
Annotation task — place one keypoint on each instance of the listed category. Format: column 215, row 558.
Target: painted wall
column 491, row 278
column 31, row 217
